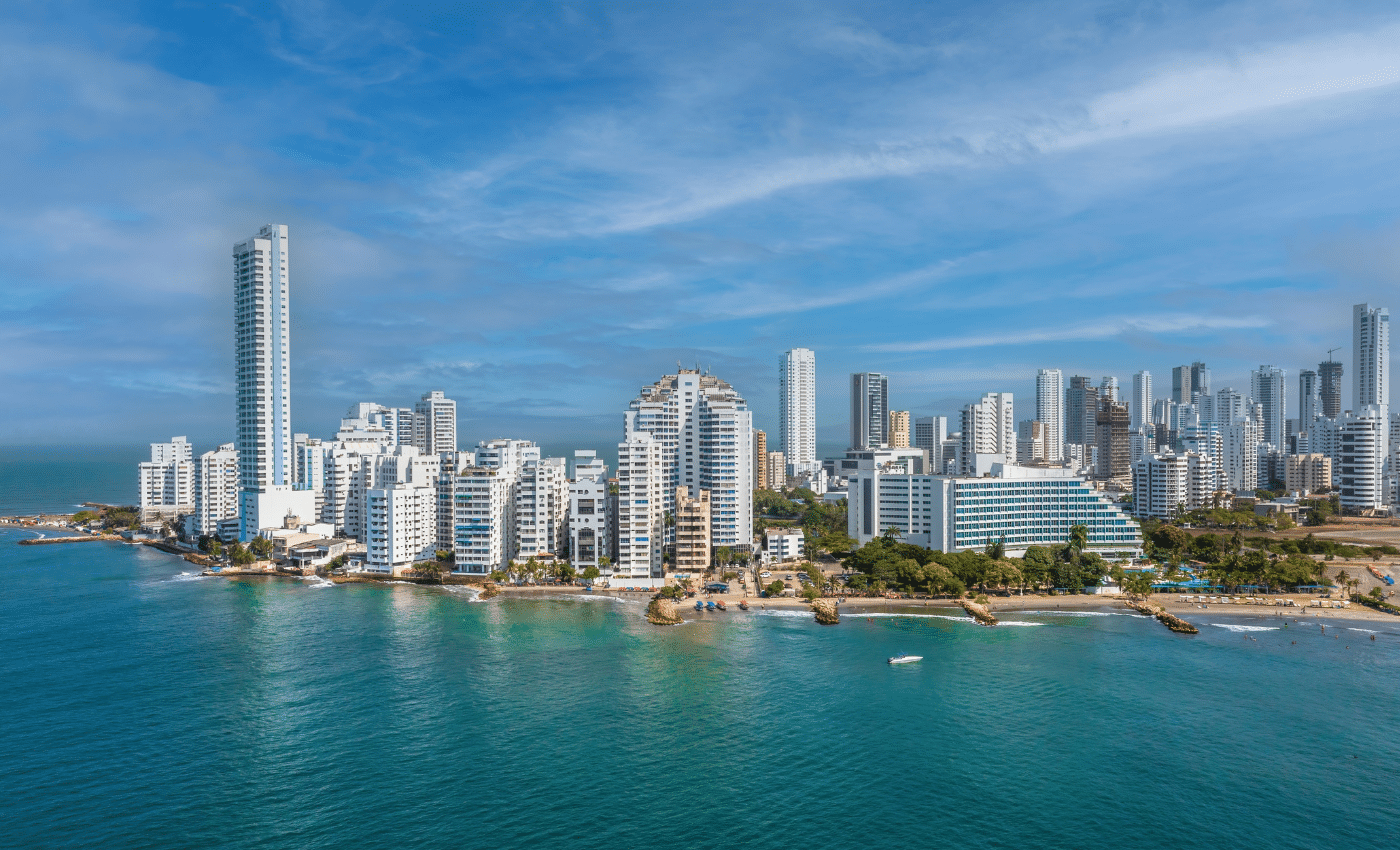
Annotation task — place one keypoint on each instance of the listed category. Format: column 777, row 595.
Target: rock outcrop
column 1171, row 621
column 662, row 612
column 488, row 590
column 825, row 610
column 978, row 612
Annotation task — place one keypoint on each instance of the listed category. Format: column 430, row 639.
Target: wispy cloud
column 1108, row 328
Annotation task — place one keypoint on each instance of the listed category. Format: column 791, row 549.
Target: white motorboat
column 903, row 658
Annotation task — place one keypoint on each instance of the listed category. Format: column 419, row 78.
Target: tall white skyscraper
column 1268, row 386
column 1050, row 411
column 1309, row 399
column 988, row 428
column 1370, row 353
column 705, row 431
column 435, row 423
column 1140, row 405
column 797, row 407
column 263, row 378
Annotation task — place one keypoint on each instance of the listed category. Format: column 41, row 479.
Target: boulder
column 825, row 611
column 978, row 612
column 488, row 590
column 662, row 612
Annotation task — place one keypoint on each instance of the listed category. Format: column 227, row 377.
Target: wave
column 1018, row 623
column 1368, row 631
column 927, row 616
column 1238, row 628
column 188, row 577
column 1060, row 613
column 317, row 581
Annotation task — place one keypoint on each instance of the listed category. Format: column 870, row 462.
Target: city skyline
column 543, row 236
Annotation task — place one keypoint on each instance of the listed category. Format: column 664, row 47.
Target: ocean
column 144, row 706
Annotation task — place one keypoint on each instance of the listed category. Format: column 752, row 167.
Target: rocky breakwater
column 488, row 590
column 1171, row 621
column 662, row 612
column 978, row 612
column 825, row 611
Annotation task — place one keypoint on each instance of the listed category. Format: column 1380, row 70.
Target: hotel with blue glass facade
column 1022, row 506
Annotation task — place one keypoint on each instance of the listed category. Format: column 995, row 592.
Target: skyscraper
column 797, row 406
column 263, row 380
column 870, row 405
column 1111, row 436
column 1329, row 376
column 1309, row 399
column 435, row 423
column 1370, row 355
column 1081, row 411
column 1268, row 388
column 1181, row 384
column 705, row 431
column 1140, row 405
column 1050, row 411
column 988, row 428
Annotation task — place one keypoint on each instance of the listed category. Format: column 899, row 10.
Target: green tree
column 430, row 570
column 216, row 548
column 590, row 573
column 262, row 547
column 1138, row 585
column 239, row 555
column 774, row 588
column 445, row 556
column 497, row 576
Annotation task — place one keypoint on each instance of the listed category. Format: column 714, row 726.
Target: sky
column 539, row 208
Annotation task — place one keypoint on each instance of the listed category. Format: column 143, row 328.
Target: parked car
column 765, row 574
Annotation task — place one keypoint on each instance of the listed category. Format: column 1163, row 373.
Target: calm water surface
column 146, row 708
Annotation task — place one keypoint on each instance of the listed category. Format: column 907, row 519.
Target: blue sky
column 539, row 208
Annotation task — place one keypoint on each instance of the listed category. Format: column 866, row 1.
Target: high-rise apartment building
column 1140, row 405
column 1081, row 411
column 215, row 489
column 642, row 472
column 1111, row 436
column 704, row 429
column 167, row 480
column 931, row 433
column 870, row 405
column 775, row 472
column 1030, row 442
column 989, row 428
column 1268, row 387
column 692, row 531
column 590, row 525
column 1050, row 411
column 1329, row 377
column 1309, row 398
column 1108, row 388
column 263, row 383
column 760, row 459
column 1308, row 473
column 899, row 429
column 1181, row 384
column 1362, row 450
column 435, row 423
column 541, row 508
column 1370, row 351
column 797, row 407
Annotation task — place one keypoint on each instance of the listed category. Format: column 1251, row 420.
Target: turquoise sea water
column 56, row 479
column 142, row 707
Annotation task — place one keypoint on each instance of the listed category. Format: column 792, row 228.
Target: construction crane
column 1330, row 350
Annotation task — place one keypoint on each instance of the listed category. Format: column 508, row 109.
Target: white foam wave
column 1234, row 627
column 925, row 616
column 1018, row 623
column 777, row 612
column 1060, row 613
column 188, row 577
column 1368, row 631
column 317, row 581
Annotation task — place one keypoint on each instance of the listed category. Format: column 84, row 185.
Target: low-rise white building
column 1165, row 484
column 785, row 544
column 1015, row 505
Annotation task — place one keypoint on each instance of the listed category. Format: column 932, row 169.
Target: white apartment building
column 775, row 472
column 1032, row 445
column 641, row 507
column 383, row 469
column 482, row 525
column 785, row 544
column 931, row 434
column 263, row 382
column 1370, row 351
column 870, row 407
column 590, row 522
column 1361, row 458
column 1140, row 406
column 704, row 429
column 541, row 508
column 215, row 489
column 1166, row 483
column 1204, row 438
column 1050, row 410
column 1307, row 473
column 1268, row 387
column 401, row 526
column 435, row 423
column 797, row 407
column 1019, row 506
column 1240, row 442
column 166, row 481
column 988, row 428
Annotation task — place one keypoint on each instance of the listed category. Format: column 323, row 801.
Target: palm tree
column 1078, row 539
